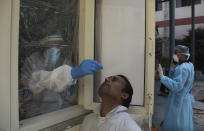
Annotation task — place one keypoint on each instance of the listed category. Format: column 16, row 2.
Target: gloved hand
column 85, row 68
column 160, row 71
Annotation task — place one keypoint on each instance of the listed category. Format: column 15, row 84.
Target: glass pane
column 182, row 3
column 48, row 36
column 186, row 2
column 197, row 1
column 158, row 5
column 178, row 3
column 120, row 43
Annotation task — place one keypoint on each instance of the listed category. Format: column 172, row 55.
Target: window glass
column 48, row 36
column 182, row 3
column 158, row 5
column 186, row 2
column 178, row 3
column 197, row 1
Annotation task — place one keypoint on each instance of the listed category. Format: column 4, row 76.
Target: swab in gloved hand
column 160, row 71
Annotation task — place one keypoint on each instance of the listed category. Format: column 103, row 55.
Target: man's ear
column 124, row 96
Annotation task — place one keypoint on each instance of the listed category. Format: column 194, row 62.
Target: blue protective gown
column 178, row 114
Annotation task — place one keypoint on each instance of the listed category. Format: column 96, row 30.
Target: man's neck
column 107, row 106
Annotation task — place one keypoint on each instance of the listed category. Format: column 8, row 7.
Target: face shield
column 52, row 55
column 53, row 52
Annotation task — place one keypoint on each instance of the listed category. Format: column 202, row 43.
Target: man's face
column 112, row 87
column 180, row 55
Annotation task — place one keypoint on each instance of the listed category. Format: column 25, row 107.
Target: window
column 182, row 3
column 18, row 44
column 48, row 36
column 158, row 5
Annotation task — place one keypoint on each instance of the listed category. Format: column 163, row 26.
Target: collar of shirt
column 112, row 112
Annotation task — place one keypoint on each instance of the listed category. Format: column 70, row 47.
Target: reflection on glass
column 158, row 5
column 47, row 40
column 183, row 3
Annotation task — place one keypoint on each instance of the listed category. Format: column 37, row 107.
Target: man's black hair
column 128, row 89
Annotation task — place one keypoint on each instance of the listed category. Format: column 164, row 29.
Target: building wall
column 182, row 19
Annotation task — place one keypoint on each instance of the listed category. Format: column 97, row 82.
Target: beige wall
column 5, row 45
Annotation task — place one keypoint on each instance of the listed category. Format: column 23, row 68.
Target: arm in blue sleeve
column 175, row 84
column 171, row 73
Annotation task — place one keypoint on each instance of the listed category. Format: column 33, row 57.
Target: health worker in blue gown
column 178, row 114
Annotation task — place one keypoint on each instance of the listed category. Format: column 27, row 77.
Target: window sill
column 50, row 119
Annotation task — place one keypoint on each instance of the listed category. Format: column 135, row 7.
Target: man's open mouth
column 106, row 85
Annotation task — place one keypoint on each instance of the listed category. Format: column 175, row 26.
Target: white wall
column 120, row 42
column 182, row 12
column 185, row 12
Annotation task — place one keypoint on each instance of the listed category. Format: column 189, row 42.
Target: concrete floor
column 159, row 107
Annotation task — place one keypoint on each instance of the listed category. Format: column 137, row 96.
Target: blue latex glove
column 85, row 68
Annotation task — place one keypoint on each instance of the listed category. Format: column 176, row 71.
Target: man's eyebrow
column 115, row 78
column 121, row 78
